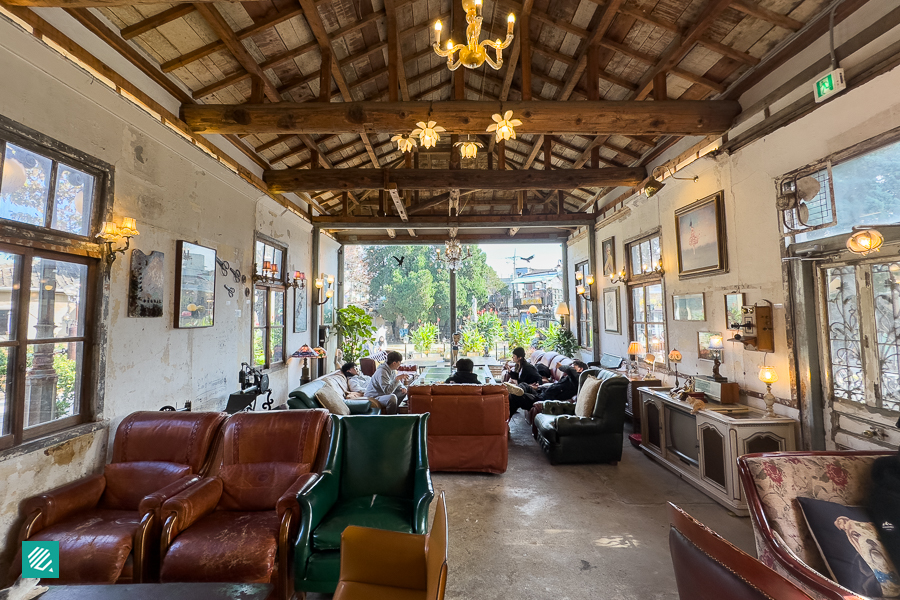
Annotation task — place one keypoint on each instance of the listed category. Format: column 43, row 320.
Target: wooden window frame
column 270, row 287
column 583, row 315
column 644, row 280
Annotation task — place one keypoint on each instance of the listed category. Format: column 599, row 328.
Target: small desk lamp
column 634, row 348
column 768, row 376
column 675, row 358
column 306, row 353
column 716, row 347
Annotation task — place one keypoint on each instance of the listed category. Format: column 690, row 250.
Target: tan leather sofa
column 468, row 429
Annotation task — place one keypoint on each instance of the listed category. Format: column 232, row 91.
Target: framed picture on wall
column 733, row 305
column 703, row 344
column 612, row 319
column 700, row 236
column 301, row 310
column 608, row 250
column 195, row 286
column 688, row 307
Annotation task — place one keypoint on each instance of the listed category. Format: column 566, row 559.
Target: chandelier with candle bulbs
column 453, row 253
column 473, row 53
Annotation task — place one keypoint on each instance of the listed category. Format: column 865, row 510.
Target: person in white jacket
column 385, row 387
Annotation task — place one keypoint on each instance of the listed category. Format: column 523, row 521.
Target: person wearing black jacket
column 464, row 374
column 521, row 392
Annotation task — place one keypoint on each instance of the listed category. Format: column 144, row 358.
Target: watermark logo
column 40, row 559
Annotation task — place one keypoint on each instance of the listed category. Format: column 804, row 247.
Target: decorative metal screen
column 844, row 335
column 886, row 289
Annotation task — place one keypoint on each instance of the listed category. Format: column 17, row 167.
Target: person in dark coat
column 464, row 372
column 524, row 375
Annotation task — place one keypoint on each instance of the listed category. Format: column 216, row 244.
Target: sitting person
column 464, row 372
column 544, row 371
column 564, row 389
column 356, row 381
column 385, row 387
column 524, row 375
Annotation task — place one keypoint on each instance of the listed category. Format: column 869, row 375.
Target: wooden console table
column 633, row 404
column 703, row 449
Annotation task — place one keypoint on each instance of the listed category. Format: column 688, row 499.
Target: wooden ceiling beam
column 440, row 238
column 311, row 180
column 699, row 80
column 150, row 23
column 539, row 117
column 760, row 12
column 443, row 222
column 272, row 143
column 728, row 51
column 396, row 62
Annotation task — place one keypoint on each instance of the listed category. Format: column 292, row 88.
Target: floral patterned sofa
column 773, row 481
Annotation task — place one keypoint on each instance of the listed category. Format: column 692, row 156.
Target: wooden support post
column 407, row 160
column 520, row 202
column 313, row 159
column 257, row 91
column 525, row 54
column 382, row 198
column 501, row 155
column 455, row 156
column 660, row 92
column 490, row 160
column 548, row 152
column 345, row 201
column 325, row 75
column 416, row 166
column 560, row 202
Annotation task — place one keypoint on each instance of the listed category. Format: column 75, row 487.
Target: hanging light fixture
column 453, row 253
column 469, row 149
column 404, row 142
column 428, row 133
column 865, row 240
column 473, row 53
column 505, row 126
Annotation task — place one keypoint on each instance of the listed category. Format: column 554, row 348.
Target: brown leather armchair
column 407, row 566
column 239, row 524
column 108, row 524
column 708, row 567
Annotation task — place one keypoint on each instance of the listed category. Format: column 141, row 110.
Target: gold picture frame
column 700, row 237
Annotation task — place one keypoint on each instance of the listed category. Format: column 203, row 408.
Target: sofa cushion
column 378, row 512
column 227, row 546
column 257, row 486
column 329, row 398
column 849, row 544
column 127, row 483
column 94, row 545
column 587, row 397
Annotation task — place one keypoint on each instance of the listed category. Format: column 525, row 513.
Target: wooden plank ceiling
column 378, row 50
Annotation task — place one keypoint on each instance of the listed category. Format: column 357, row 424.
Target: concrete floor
column 569, row 532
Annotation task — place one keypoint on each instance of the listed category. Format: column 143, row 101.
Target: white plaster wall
column 747, row 178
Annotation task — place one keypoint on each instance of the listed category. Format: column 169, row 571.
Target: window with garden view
column 45, row 327
column 268, row 304
column 645, row 290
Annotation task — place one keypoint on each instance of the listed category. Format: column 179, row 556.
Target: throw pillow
column 329, row 398
column 848, row 541
column 587, row 397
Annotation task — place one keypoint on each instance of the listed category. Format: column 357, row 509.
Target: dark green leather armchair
column 566, row 438
column 305, row 397
column 376, row 475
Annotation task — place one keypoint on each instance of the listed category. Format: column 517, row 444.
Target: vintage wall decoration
column 612, row 321
column 703, row 342
column 301, row 311
column 733, row 317
column 195, row 286
column 608, row 249
column 700, row 235
column 145, row 284
column 688, row 307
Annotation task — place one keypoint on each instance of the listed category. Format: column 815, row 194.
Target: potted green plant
column 356, row 329
column 473, row 341
column 491, row 329
column 423, row 337
column 520, row 334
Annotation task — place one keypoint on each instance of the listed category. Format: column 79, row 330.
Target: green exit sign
column 830, row 84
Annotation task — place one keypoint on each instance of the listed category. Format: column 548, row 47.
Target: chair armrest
column 192, row 504
column 423, row 494
column 386, row 558
column 152, row 503
column 66, row 500
column 358, row 406
column 576, row 426
column 558, row 407
column 314, row 501
column 288, row 500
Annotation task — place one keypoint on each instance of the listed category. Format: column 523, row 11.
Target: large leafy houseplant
column 472, row 340
column 520, row 334
column 566, row 344
column 356, row 329
column 550, row 336
column 423, row 337
column 490, row 328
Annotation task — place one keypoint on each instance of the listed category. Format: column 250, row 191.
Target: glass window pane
column 657, row 343
column 886, row 288
column 277, row 309
column 655, row 255
column 58, row 291
column 655, row 303
column 72, row 201
column 645, row 256
column 259, row 349
column 24, row 186
column 258, row 257
column 9, row 292
column 636, row 259
column 844, row 334
column 278, row 260
column 52, row 381
column 640, row 335
column 7, row 368
column 637, row 303
column 276, row 345
column 259, row 307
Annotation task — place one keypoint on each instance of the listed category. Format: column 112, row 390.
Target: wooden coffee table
column 161, row 591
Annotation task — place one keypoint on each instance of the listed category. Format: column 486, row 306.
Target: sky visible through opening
column 499, row 256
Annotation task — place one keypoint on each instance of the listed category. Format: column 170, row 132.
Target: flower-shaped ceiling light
column 504, row 126
column 469, row 149
column 428, row 133
column 404, row 142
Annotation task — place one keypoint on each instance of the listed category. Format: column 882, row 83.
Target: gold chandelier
column 473, row 53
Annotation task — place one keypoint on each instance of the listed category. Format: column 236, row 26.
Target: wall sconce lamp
column 634, row 348
column 299, row 281
column 320, row 284
column 621, row 277
column 768, row 376
column 269, row 273
column 716, row 346
column 658, row 269
column 584, row 290
column 112, row 233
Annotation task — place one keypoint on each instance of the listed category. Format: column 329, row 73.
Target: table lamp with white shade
column 633, row 349
column 716, row 346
